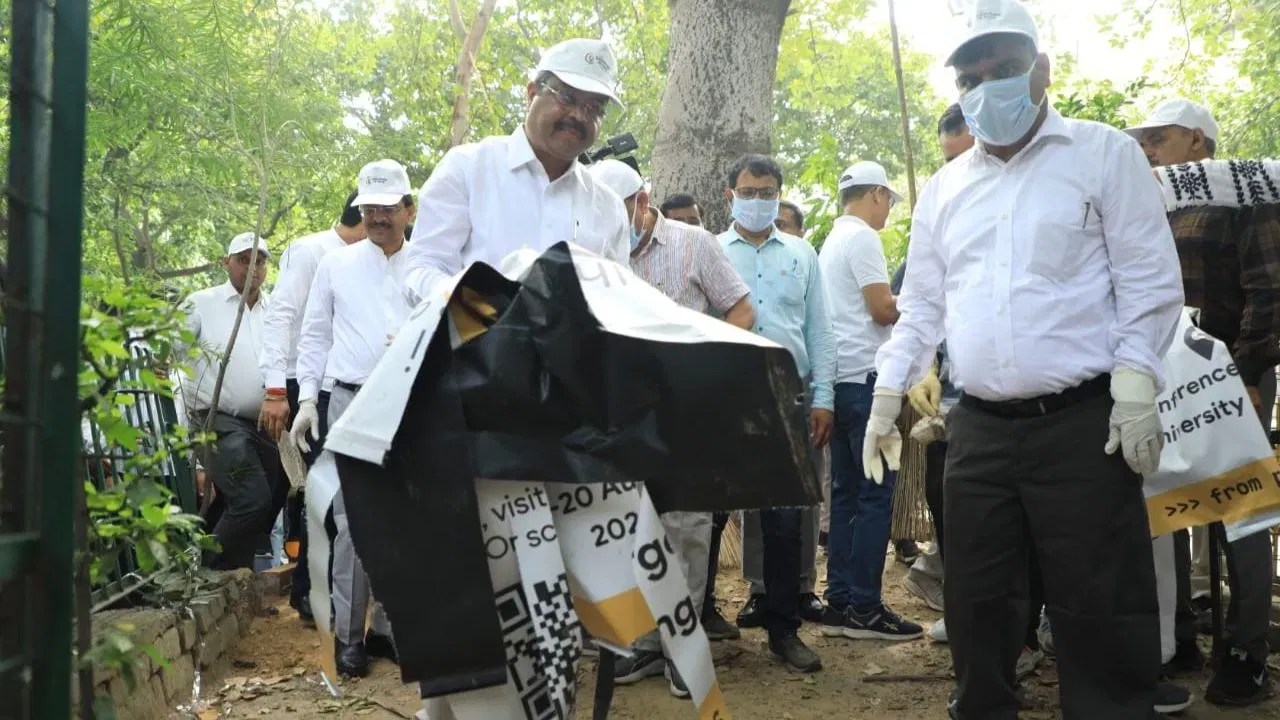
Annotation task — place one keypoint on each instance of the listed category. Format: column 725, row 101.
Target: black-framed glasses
column 758, row 193
column 594, row 110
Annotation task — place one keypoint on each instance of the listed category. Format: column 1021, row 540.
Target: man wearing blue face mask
column 1044, row 260
column 782, row 272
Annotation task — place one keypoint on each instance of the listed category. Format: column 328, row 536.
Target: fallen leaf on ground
column 208, row 715
column 273, row 680
column 873, row 669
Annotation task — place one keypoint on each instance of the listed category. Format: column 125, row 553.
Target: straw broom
column 731, row 543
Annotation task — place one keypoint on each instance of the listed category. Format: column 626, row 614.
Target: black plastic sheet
column 548, row 394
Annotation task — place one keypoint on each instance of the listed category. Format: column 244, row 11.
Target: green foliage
column 1100, row 102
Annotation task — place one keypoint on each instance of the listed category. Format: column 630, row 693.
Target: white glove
column 1135, row 425
column 307, row 422
column 882, row 438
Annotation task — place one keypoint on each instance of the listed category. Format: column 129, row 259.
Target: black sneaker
column 811, row 608
column 906, row 551
column 795, row 653
column 879, row 624
column 675, row 683
column 1172, row 698
column 642, row 664
column 717, row 628
column 752, row 615
column 1019, row 694
column 381, row 646
column 1187, row 660
column 1241, row 681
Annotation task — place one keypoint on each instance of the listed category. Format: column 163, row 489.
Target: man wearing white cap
column 1044, row 259
column 356, row 305
column 526, row 190
column 687, row 264
column 855, row 278
column 1231, row 273
column 246, row 464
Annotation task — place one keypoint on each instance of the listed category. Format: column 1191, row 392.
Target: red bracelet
column 277, row 392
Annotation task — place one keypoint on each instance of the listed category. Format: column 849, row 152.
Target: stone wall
column 200, row 639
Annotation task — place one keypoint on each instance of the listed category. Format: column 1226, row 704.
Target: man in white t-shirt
column 862, row 310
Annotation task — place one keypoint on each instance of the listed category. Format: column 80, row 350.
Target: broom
column 910, row 508
column 731, row 543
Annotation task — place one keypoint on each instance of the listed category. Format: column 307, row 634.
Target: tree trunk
column 467, row 66
column 902, row 105
column 718, row 103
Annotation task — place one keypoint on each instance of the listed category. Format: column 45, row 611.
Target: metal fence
column 48, row 78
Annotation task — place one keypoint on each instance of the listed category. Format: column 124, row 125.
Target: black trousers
column 251, row 491
column 1044, row 484
column 780, row 530
column 296, row 509
column 934, row 472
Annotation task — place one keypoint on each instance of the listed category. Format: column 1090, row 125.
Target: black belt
column 353, row 387
column 1044, row 404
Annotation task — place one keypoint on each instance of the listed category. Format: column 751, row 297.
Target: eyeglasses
column 593, row 110
column 367, row 210
column 259, row 261
column 757, row 193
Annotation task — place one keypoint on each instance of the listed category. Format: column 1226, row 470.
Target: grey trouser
column 349, row 585
column 1043, row 484
column 1249, row 573
column 690, row 534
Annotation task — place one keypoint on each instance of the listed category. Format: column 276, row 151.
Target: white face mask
column 754, row 214
column 1000, row 112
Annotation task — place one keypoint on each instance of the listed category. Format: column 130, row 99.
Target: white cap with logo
column 382, row 182
column 1182, row 113
column 618, row 177
column 867, row 173
column 994, row 17
column 245, row 241
column 582, row 64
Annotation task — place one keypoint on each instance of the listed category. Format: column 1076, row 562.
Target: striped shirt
column 687, row 264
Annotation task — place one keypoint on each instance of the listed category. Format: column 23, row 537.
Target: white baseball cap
column 586, row 65
column 618, row 177
column 245, row 241
column 867, row 173
column 382, row 182
column 994, row 17
column 1183, row 113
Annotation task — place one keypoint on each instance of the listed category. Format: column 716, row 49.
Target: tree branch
column 455, row 18
column 466, row 66
column 187, row 272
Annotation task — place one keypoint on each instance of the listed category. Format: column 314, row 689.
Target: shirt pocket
column 790, row 288
column 1066, row 233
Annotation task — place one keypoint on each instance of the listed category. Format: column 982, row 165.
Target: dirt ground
column 276, row 675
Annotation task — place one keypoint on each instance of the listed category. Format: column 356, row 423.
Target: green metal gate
column 40, row 421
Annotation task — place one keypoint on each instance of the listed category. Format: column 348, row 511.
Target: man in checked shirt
column 688, row 265
column 1230, row 261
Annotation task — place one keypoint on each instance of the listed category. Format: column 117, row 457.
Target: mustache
column 380, row 224
column 571, row 124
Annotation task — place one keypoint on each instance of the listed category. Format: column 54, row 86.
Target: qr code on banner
column 522, row 661
column 559, row 637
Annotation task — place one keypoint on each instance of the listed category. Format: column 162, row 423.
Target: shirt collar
column 735, row 236
column 1054, row 126
column 846, row 219
column 520, row 153
column 659, row 227
column 229, row 292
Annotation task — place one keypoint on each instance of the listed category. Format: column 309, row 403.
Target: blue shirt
column 786, row 288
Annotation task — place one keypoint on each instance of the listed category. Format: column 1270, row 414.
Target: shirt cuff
column 274, row 379
column 824, row 397
column 308, row 390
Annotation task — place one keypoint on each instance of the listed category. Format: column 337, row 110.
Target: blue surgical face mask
column 636, row 237
column 754, row 215
column 1000, row 112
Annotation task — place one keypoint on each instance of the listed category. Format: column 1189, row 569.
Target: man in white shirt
column 1044, row 259
column 526, row 190
column 855, row 278
column 687, row 264
column 356, row 305
column 245, row 464
column 283, row 326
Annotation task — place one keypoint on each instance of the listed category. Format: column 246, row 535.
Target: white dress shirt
column 488, row 199
column 283, row 323
column 852, row 258
column 1045, row 271
column 211, row 313
column 357, row 299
